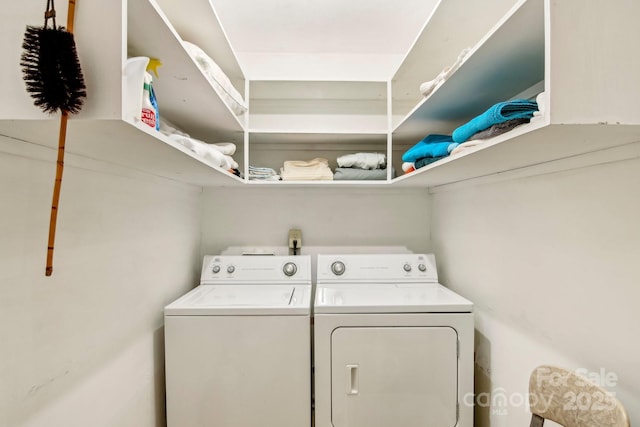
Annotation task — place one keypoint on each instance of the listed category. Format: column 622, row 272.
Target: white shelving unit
column 301, row 120
column 514, row 57
column 584, row 67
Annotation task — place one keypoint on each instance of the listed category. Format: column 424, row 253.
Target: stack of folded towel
column 432, row 148
column 361, row 166
column 498, row 113
column 219, row 154
column 312, row 170
column 263, row 174
column 498, row 119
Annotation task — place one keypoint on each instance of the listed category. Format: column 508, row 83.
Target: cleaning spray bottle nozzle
column 153, row 65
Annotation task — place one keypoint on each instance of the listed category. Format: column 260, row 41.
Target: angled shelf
column 135, row 146
column 185, row 96
column 585, row 120
column 506, row 62
column 208, row 33
column 454, row 25
column 534, row 144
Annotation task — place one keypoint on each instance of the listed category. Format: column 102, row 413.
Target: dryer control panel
column 377, row 268
column 256, row 269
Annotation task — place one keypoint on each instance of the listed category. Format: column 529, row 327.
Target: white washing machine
column 392, row 347
column 237, row 347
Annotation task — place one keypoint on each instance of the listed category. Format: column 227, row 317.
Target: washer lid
column 243, row 300
column 389, row 298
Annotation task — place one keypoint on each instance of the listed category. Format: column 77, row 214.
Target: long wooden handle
column 56, row 191
column 71, row 12
column 62, row 137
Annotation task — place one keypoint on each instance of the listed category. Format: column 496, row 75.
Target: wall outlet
column 295, row 235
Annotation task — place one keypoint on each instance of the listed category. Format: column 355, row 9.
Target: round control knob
column 422, row 267
column 216, row 269
column 231, row 269
column 338, row 268
column 407, row 268
column 289, row 269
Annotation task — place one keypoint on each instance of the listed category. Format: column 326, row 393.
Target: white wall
column 326, row 216
column 551, row 263
column 318, row 66
column 85, row 346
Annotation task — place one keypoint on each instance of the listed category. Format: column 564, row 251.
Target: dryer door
column 394, row 376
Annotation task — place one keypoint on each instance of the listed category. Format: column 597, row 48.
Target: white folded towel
column 363, row 161
column 312, row 170
column 541, row 100
column 263, row 174
column 466, row 145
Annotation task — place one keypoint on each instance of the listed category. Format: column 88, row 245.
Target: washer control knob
column 231, row 269
column 338, row 268
column 422, row 267
column 216, row 269
column 407, row 268
column 289, row 269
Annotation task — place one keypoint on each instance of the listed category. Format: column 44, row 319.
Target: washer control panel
column 380, row 268
column 256, row 269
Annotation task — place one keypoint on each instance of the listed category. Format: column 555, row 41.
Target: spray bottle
column 150, row 110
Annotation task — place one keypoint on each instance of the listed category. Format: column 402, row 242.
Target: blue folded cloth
column 498, row 113
column 431, row 146
column 420, row 163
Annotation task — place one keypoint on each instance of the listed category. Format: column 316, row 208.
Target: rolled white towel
column 222, row 160
column 407, row 165
column 427, row 87
column 541, row 100
column 228, row 148
column 205, row 151
column 169, row 129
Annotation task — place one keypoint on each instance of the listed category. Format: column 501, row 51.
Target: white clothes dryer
column 237, row 347
column 392, row 346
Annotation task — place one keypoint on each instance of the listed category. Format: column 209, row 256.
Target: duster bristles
column 51, row 69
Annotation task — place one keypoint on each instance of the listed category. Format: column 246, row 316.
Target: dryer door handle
column 352, row 380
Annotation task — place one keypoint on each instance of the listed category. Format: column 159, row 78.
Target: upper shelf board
column 526, row 146
column 137, row 147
